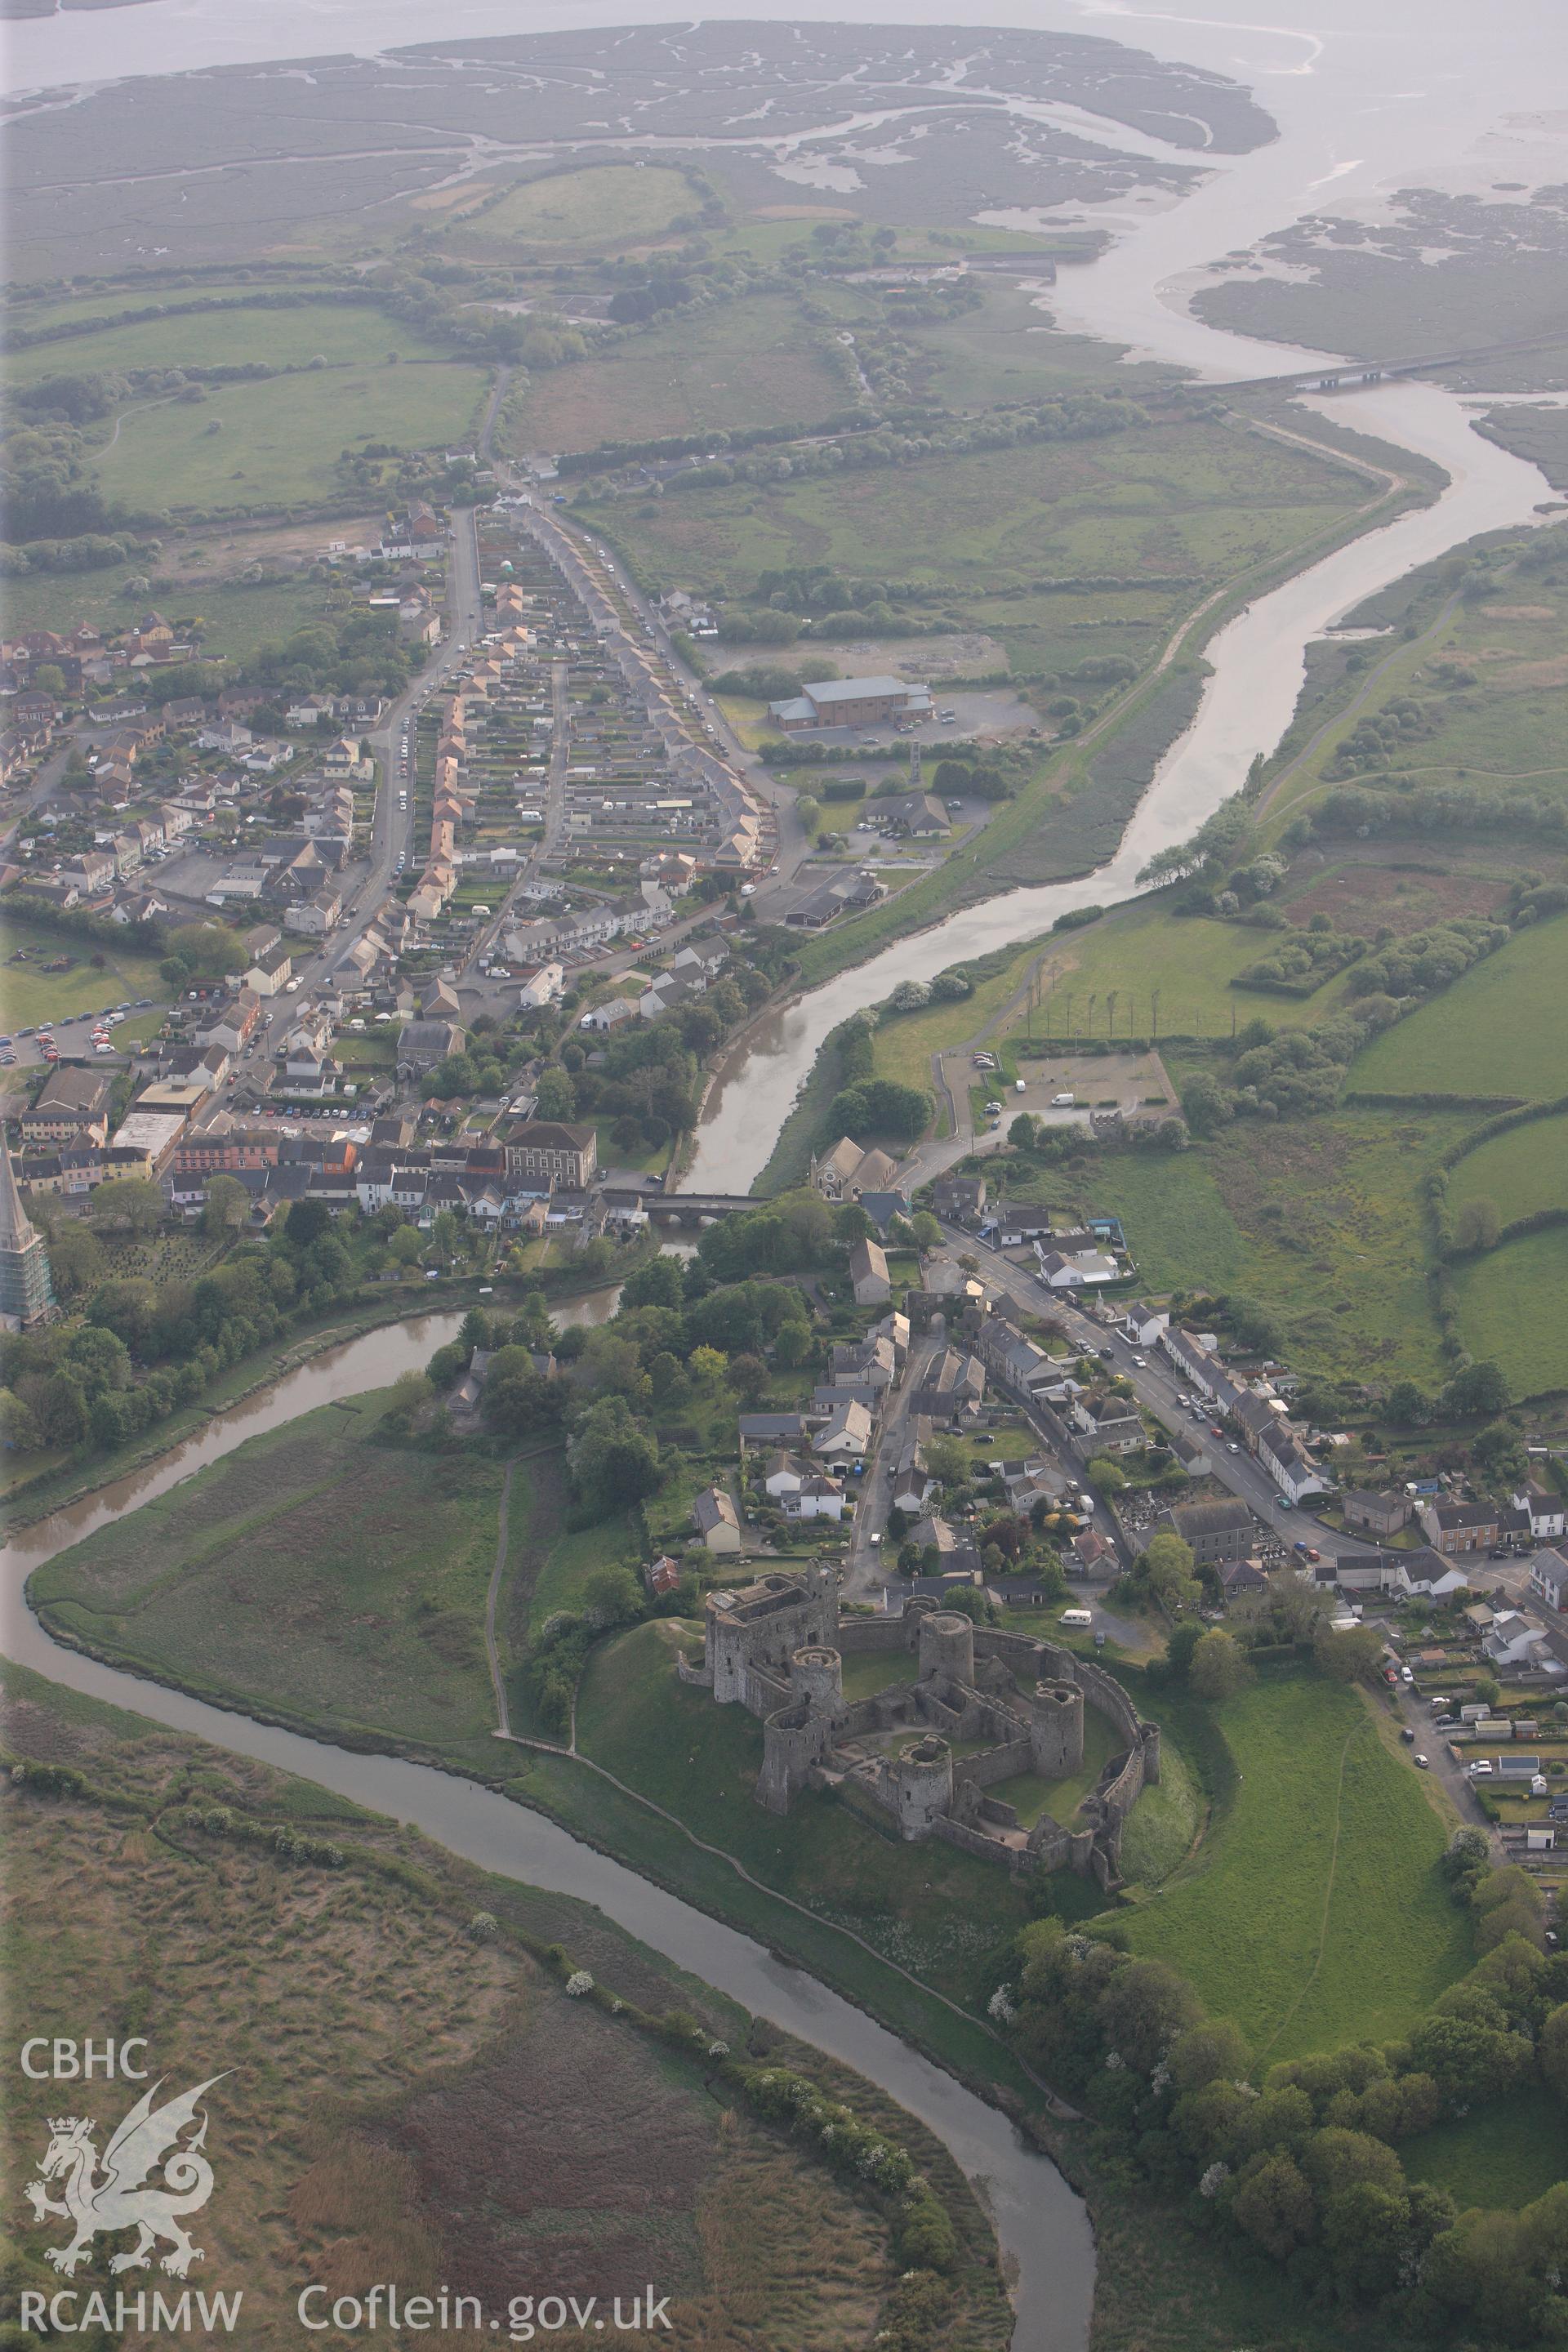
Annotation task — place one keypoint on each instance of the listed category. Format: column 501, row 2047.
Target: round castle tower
column 947, row 1646
column 1055, row 1729
column 816, row 1679
column 922, row 1782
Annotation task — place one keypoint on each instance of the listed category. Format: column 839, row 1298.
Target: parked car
column 1482, row 1769
column 1408, row 1735
column 1421, row 1764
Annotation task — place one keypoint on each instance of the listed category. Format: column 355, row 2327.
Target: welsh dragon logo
column 117, row 2196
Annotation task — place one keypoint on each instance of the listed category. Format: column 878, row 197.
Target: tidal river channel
column 1366, row 97
column 1041, row 2226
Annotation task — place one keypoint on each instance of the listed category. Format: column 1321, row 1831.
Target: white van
column 1020, row 1085
column 1063, row 1102
column 1078, row 1617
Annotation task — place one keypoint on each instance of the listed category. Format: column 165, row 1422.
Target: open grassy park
column 31, row 994
column 1314, row 1913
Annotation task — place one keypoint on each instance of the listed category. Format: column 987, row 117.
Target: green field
column 1142, row 949
column 313, row 1571
column 1182, row 1234
column 1498, row 1030
column 1523, row 1171
column 343, row 332
column 740, row 364
column 905, row 1041
column 110, row 303
column 1314, row 1913
column 1323, row 1218
column 603, row 204
column 1158, row 1833
column 279, row 440
column 28, row 994
column 1502, row 2154
column 1192, row 503
column 1510, row 1310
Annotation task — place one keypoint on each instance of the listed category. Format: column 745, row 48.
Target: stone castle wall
column 1009, row 1757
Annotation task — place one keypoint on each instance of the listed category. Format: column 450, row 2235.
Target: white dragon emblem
column 119, row 2198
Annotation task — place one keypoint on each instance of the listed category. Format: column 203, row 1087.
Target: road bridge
column 1355, row 375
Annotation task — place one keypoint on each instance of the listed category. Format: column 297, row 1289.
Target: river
column 1366, row 98
column 1041, row 2226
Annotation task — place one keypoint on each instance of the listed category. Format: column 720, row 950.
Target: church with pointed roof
column 26, row 1292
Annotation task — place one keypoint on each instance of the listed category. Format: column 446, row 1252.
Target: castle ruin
column 776, row 1647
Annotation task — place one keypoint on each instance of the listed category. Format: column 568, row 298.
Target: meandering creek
column 1042, row 2227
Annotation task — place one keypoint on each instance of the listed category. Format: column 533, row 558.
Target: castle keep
column 776, row 1647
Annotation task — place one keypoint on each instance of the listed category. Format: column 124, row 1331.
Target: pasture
column 1145, row 970
column 276, row 442
column 1314, row 1912
column 1509, row 1305
column 739, row 364
column 603, row 203
column 334, row 1579
column 343, row 333
column 1506, row 2153
column 1497, row 1031
column 1196, row 500
column 1523, row 1171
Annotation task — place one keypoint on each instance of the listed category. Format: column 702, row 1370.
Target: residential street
column 867, row 1566
column 1158, row 1388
